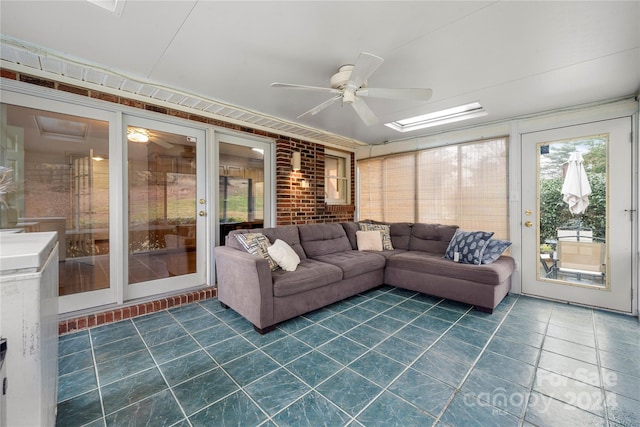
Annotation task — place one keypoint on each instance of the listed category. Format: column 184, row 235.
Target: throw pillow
column 384, row 229
column 284, row 255
column 494, row 249
column 469, row 245
column 257, row 244
column 369, row 240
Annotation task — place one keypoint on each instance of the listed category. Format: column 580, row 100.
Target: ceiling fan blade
column 365, row 66
column 365, row 113
column 413, row 94
column 304, row 87
column 320, row 107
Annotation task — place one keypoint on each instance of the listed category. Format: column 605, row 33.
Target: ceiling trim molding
column 32, row 60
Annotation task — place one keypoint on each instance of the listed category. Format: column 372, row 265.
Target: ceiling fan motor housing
column 339, row 80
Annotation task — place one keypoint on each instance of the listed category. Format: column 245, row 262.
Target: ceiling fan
column 349, row 85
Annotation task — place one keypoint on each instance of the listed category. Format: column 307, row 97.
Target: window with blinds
column 463, row 184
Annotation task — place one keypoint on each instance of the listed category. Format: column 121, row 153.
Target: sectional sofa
column 331, row 268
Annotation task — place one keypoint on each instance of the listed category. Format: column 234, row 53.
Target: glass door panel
column 241, row 186
column 577, row 214
column 59, row 166
column 166, row 226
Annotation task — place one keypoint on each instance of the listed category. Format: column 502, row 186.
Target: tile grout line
column 605, row 401
column 386, row 388
column 95, row 367
column 473, row 365
column 344, row 367
column 218, row 366
column 561, row 316
column 537, row 367
column 157, row 366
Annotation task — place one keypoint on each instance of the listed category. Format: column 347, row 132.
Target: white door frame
column 89, row 299
column 170, row 284
column 623, row 275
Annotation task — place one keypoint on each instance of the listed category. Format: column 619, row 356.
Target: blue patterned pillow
column 494, row 249
column 469, row 245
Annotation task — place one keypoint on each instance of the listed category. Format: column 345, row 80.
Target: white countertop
column 25, row 250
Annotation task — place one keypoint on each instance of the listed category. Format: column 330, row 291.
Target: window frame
column 346, row 157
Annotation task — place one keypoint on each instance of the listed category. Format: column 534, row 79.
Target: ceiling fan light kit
column 349, row 85
column 138, row 135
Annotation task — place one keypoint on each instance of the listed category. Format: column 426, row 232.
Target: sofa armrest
column 244, row 284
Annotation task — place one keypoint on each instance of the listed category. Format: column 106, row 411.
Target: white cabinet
column 29, row 322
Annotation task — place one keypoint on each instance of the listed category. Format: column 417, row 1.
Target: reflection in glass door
column 59, row 166
column 241, row 187
column 577, row 220
column 165, row 209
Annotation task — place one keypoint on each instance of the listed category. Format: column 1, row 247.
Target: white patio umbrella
column 576, row 188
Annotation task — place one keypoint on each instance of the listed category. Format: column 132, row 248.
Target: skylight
column 450, row 115
column 61, row 128
column 113, row 6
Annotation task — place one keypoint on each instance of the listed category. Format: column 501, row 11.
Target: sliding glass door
column 166, row 207
column 55, row 176
column 244, row 185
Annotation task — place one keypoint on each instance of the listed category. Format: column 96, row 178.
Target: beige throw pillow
column 384, row 229
column 369, row 240
column 284, row 255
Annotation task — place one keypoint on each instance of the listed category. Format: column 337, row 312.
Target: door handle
column 528, row 224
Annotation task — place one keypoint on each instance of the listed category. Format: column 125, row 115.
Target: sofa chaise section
column 481, row 285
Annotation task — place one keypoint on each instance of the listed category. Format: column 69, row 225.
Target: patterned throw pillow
column 469, row 245
column 494, row 249
column 384, row 229
column 257, row 244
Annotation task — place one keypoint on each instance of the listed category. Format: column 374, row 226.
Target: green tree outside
column 554, row 212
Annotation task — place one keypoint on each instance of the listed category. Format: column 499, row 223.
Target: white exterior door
column 579, row 257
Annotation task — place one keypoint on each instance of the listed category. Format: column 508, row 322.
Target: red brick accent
column 121, row 313
column 73, row 89
column 7, row 74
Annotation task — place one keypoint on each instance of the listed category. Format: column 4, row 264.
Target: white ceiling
column 515, row 57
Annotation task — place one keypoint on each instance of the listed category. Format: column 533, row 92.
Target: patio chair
column 581, row 258
column 575, row 235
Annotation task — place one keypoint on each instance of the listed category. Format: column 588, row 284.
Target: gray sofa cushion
column 432, row 238
column 351, row 228
column 401, row 235
column 389, row 254
column 423, row 262
column 354, row 263
column 310, row 274
column 323, row 239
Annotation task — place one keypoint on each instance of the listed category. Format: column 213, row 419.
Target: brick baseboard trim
column 116, row 314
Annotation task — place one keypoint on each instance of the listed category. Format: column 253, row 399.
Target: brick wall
column 294, row 204
column 297, row 204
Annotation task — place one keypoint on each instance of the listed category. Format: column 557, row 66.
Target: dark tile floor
column 388, row 357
